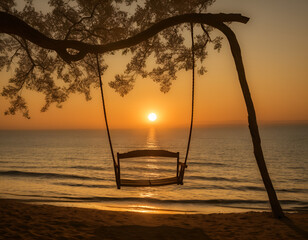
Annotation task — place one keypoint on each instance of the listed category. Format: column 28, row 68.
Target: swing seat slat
column 148, row 183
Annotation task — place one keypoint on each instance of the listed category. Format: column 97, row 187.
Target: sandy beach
column 28, row 221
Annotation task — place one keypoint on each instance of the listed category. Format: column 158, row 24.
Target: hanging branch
column 12, row 25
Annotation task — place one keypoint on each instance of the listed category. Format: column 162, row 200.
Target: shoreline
column 147, row 207
column 41, row 221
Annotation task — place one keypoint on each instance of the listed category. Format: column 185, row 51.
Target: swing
column 180, row 166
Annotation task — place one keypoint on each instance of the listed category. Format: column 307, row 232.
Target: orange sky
column 275, row 54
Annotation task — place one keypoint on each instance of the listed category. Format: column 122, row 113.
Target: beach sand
column 29, row 221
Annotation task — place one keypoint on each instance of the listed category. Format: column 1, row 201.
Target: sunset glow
column 273, row 72
column 152, row 117
column 136, row 119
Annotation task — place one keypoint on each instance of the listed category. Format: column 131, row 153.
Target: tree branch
column 80, row 21
column 12, row 25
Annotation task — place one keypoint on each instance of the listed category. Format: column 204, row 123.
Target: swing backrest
column 148, row 153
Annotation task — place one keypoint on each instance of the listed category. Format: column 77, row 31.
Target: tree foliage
column 97, row 22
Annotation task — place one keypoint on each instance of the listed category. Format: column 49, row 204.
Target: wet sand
column 29, row 221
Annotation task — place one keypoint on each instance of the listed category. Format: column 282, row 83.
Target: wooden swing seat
column 148, row 183
column 177, row 179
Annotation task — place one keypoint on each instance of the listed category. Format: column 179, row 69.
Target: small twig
column 80, row 21
column 206, row 32
column 15, row 53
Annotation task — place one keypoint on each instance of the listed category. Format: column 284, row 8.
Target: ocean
column 74, row 168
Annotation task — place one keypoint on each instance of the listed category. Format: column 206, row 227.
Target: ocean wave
column 3, row 161
column 169, row 201
column 195, row 177
column 247, row 188
column 221, row 202
column 293, row 190
column 76, row 158
column 299, row 180
column 86, row 185
column 206, row 163
column 87, row 167
column 228, row 187
column 46, row 175
column 262, row 189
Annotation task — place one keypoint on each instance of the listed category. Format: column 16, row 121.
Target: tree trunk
column 252, row 120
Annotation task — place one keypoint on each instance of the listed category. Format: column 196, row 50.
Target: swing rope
column 193, row 89
column 105, row 115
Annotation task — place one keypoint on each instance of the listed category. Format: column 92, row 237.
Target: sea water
column 75, row 168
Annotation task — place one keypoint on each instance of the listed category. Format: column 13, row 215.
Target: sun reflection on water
column 151, row 139
column 146, row 194
column 144, row 209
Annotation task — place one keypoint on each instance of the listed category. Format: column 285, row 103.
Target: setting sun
column 152, row 117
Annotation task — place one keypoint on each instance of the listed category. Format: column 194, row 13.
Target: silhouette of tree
column 53, row 58
column 54, row 52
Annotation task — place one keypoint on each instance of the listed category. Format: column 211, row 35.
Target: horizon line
column 208, row 125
